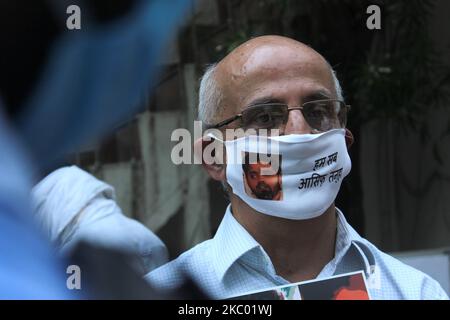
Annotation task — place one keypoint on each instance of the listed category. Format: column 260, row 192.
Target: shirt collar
column 232, row 242
column 348, row 241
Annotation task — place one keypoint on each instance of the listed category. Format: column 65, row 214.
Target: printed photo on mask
column 257, row 184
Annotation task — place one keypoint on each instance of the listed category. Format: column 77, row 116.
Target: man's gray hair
column 210, row 95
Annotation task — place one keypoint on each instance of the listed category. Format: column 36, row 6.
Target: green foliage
column 394, row 73
column 403, row 78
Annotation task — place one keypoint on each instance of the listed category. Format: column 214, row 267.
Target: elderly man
column 273, row 82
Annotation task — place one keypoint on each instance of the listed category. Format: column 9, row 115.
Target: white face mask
column 301, row 183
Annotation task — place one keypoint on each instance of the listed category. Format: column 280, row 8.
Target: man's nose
column 296, row 123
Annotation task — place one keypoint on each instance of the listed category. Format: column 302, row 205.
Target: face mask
column 292, row 176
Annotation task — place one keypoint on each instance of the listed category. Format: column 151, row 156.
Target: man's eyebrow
column 264, row 100
column 318, row 95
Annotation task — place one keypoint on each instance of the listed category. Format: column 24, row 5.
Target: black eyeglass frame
column 239, row 115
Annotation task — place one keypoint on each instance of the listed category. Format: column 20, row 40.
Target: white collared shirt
column 233, row 263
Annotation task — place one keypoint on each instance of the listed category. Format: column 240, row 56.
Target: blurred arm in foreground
column 59, row 88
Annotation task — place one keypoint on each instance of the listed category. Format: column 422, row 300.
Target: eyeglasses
column 321, row 115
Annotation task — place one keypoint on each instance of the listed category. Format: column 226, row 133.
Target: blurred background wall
column 396, row 79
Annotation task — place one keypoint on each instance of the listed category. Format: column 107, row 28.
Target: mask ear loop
column 349, row 138
column 227, row 190
column 210, row 138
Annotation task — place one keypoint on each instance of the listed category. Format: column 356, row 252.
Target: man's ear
column 349, row 138
column 215, row 170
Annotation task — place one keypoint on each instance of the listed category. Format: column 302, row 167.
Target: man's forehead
column 270, row 59
column 269, row 52
column 272, row 55
column 259, row 165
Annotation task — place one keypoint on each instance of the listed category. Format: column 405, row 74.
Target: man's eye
column 263, row 118
column 319, row 113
